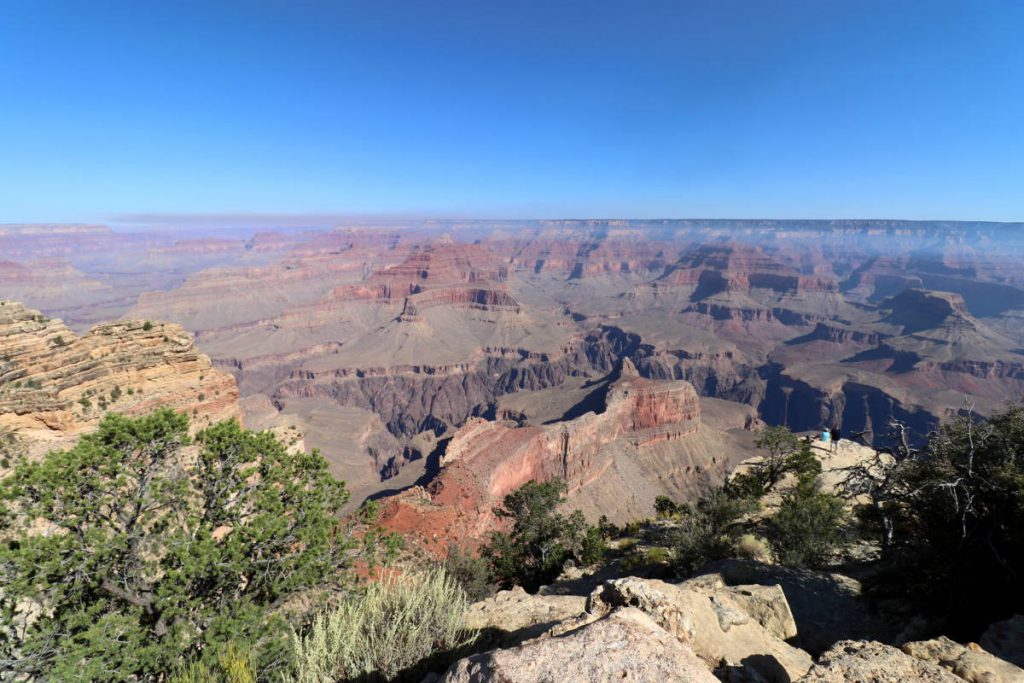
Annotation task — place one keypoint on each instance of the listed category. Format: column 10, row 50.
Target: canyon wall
column 485, row 461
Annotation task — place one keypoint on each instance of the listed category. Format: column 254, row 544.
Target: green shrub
column 233, row 665
column 658, row 555
column 147, row 326
column 472, row 573
column 708, row 530
column 665, row 507
column 392, row 627
column 10, row 447
column 175, row 555
column 958, row 549
column 607, row 529
column 784, row 453
column 626, row 544
column 751, row 547
column 808, row 528
column 541, row 539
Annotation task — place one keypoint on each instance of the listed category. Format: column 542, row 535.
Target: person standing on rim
column 834, row 436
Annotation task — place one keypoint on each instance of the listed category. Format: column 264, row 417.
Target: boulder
column 873, row 662
column 512, row 616
column 626, row 644
column 709, row 619
column 767, row 605
column 1005, row 639
column 969, row 662
column 826, row 607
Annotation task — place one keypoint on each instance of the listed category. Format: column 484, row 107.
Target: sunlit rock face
column 55, row 385
column 485, row 461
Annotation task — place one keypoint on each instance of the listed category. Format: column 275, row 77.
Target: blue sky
column 718, row 108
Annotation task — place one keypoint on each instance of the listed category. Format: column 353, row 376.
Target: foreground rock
column 874, row 662
column 737, row 632
column 969, row 662
column 512, row 616
column 707, row 616
column 626, row 644
column 827, row 607
column 1005, row 639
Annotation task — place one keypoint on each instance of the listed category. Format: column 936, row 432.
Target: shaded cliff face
column 413, row 398
column 645, row 425
column 55, row 384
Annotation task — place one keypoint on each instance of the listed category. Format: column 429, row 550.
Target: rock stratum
column 368, row 336
column 646, row 441
column 56, row 385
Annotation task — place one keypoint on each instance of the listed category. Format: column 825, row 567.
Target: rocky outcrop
column 625, row 645
column 839, row 334
column 917, row 310
column 969, row 662
column 466, row 297
column 723, row 636
column 732, row 633
column 718, row 268
column 1005, row 639
column 509, row 617
column 56, row 384
column 874, row 662
column 444, row 264
column 484, row 461
column 707, row 616
column 826, row 607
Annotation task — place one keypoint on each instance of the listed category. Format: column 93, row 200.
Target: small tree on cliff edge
column 784, row 452
column 959, row 507
column 127, row 555
column 541, row 539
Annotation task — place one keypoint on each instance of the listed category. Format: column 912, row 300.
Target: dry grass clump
column 751, row 547
column 391, row 627
column 234, row 665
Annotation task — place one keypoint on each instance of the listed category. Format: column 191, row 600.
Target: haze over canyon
column 398, row 348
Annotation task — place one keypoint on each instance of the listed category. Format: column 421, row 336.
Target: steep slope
column 647, row 441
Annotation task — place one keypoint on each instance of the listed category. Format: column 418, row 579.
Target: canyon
column 387, row 345
column 648, row 439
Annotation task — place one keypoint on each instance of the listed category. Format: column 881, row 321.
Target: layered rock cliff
column 646, row 442
column 55, row 385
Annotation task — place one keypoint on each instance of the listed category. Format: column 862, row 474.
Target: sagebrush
column 390, row 628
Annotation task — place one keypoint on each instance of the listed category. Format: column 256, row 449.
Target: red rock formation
column 485, row 461
column 461, row 276
column 714, row 268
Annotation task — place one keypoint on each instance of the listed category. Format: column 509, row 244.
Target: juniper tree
column 133, row 552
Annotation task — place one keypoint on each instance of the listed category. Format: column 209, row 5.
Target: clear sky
column 512, row 108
